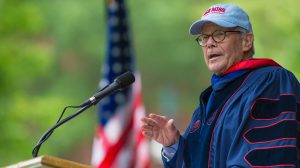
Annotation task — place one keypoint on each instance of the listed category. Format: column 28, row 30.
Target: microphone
column 119, row 83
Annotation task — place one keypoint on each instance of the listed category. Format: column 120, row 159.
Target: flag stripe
column 114, row 149
column 119, row 141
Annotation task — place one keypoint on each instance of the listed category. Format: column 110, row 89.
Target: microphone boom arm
column 47, row 134
column 119, row 83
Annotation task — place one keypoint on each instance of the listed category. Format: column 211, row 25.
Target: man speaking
column 247, row 117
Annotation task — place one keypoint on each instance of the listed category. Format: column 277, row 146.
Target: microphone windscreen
column 125, row 79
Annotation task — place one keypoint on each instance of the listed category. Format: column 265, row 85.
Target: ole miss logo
column 218, row 10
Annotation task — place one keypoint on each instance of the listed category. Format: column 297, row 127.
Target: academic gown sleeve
column 259, row 127
column 177, row 161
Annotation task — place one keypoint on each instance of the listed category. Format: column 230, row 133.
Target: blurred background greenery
column 51, row 53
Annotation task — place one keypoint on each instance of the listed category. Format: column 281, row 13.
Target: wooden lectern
column 48, row 162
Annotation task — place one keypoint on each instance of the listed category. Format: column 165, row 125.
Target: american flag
column 119, row 141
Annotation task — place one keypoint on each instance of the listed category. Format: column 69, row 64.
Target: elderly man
column 248, row 117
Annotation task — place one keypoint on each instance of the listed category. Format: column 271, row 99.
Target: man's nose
column 210, row 42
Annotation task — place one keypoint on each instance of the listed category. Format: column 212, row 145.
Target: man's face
column 219, row 56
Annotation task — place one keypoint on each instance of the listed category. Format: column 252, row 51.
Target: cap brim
column 196, row 27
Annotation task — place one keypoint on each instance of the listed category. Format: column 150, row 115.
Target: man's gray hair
column 251, row 52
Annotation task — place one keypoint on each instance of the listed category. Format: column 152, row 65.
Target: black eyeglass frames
column 217, row 36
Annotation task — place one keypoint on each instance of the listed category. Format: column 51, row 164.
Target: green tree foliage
column 51, row 54
column 45, row 54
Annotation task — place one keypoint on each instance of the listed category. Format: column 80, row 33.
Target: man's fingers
column 149, row 121
column 171, row 122
column 160, row 119
column 144, row 120
column 147, row 134
column 147, row 127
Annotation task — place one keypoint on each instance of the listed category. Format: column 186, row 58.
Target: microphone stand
column 119, row 83
column 47, row 134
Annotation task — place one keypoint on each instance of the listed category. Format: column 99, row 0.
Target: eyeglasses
column 217, row 36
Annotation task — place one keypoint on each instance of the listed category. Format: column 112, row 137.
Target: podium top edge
column 48, row 161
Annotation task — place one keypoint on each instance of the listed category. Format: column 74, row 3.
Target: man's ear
column 247, row 42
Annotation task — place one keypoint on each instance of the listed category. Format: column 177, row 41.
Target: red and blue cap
column 224, row 15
